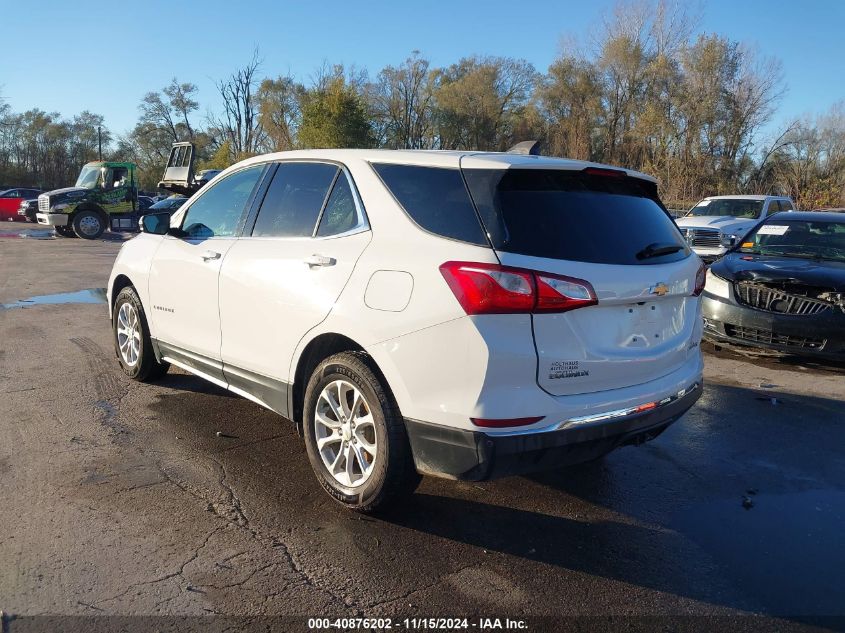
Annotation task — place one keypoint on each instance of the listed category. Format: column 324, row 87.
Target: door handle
column 320, row 260
column 209, row 255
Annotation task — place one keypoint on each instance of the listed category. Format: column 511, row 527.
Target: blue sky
column 72, row 55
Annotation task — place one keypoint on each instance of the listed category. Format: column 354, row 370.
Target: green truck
column 106, row 196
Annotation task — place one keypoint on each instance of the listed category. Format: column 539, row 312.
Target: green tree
column 334, row 114
column 570, row 99
column 279, row 112
column 479, row 100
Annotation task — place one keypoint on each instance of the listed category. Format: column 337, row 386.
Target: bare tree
column 182, row 102
column 402, row 101
column 170, row 109
column 240, row 124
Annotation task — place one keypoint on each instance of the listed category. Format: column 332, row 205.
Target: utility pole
column 100, row 142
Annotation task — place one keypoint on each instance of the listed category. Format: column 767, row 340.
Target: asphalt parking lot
column 122, row 499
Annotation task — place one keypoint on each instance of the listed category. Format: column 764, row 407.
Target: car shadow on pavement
column 611, row 549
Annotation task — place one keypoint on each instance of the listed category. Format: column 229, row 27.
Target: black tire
column 146, row 368
column 393, row 474
column 89, row 225
column 64, row 231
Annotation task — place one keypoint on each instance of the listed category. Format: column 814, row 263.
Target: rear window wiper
column 656, row 250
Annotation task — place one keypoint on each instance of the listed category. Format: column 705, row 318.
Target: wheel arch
column 120, row 282
column 316, row 351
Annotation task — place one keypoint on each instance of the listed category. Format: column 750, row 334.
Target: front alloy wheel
column 128, row 334
column 132, row 338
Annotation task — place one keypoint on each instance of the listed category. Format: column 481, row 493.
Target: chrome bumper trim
column 600, row 418
column 621, row 413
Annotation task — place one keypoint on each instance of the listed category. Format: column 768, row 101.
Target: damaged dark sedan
column 782, row 288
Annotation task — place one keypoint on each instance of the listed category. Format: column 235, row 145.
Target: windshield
column 797, row 238
column 169, row 203
column 736, row 207
column 89, row 177
column 561, row 214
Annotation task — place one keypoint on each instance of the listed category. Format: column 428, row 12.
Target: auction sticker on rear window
column 772, row 229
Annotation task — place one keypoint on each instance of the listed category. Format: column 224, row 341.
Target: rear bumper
column 52, row 219
column 821, row 336
column 476, row 455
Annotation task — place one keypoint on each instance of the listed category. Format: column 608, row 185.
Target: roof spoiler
column 528, row 148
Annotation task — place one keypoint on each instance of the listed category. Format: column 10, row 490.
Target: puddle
column 35, row 234
column 90, row 295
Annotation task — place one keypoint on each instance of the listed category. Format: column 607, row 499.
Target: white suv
column 459, row 314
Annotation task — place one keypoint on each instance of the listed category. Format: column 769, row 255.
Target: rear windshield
column 574, row 216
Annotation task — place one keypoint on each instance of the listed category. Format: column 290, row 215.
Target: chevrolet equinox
column 461, row 314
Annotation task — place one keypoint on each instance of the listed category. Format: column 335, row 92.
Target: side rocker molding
column 268, row 392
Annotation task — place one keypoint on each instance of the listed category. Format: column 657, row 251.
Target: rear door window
column 341, row 212
column 436, row 199
column 570, row 215
column 294, row 200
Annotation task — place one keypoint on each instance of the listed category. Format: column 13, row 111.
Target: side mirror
column 155, row 223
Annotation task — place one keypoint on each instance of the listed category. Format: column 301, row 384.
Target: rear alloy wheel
column 345, row 433
column 355, row 435
column 132, row 338
column 88, row 225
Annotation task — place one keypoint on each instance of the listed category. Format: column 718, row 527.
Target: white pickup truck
column 718, row 223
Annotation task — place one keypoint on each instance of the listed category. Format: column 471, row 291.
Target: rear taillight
column 494, row 289
column 556, row 293
column 489, row 288
column 700, row 280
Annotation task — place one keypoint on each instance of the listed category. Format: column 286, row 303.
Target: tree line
column 645, row 92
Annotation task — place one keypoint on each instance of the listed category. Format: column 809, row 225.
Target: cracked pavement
column 120, row 499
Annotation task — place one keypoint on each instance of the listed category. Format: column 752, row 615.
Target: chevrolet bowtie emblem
column 659, row 289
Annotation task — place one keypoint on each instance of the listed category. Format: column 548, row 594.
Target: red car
column 10, row 202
